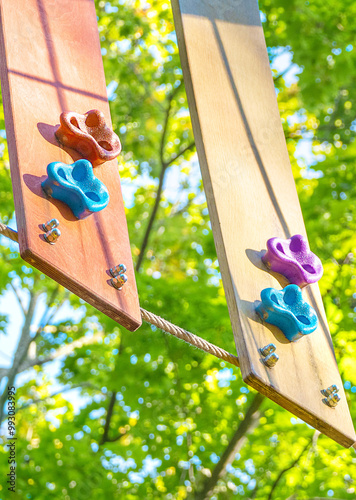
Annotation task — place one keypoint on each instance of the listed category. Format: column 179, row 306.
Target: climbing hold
column 293, row 259
column 89, row 135
column 288, row 310
column 77, row 186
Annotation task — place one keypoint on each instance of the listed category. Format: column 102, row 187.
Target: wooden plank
column 252, row 197
column 51, row 62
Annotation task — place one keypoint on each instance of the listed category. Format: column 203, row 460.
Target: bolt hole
column 303, row 320
column 274, row 298
column 289, row 297
column 105, row 145
column 92, row 196
column 309, row 269
column 62, row 174
column 280, row 248
column 92, row 120
column 74, row 122
column 79, row 173
column 295, row 245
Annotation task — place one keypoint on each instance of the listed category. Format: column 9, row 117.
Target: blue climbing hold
column 77, row 186
column 288, row 310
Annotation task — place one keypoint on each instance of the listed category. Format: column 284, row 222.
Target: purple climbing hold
column 293, row 259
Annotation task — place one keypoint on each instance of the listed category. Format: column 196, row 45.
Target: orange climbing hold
column 89, row 135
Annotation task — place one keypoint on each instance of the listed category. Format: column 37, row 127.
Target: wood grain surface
column 252, row 197
column 51, row 62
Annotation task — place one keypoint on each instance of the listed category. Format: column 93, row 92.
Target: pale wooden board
column 252, row 197
column 51, row 62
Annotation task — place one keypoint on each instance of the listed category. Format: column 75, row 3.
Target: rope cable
column 161, row 323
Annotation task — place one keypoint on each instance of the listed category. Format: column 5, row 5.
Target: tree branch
column 110, row 411
column 283, row 471
column 281, row 75
column 21, row 350
column 112, row 440
column 19, row 300
column 181, row 153
column 235, row 444
column 164, row 166
column 156, row 205
column 109, row 414
column 50, row 311
column 60, row 391
column 161, row 180
column 166, row 121
column 61, row 351
column 151, row 220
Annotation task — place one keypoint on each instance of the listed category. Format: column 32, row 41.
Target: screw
column 270, row 360
column 115, row 271
column 52, row 236
column 330, row 390
column 51, row 224
column 332, row 400
column 119, row 281
column 267, row 349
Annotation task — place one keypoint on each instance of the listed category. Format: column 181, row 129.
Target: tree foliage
column 104, row 413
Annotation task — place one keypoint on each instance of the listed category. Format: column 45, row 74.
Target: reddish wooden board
column 51, row 62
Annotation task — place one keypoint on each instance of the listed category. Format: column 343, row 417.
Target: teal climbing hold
column 287, row 310
column 77, row 186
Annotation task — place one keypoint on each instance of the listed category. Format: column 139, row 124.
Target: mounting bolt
column 115, row 271
column 332, row 400
column 269, row 357
column 270, row 360
column 119, row 281
column 267, row 349
column 51, row 224
column 52, row 236
column 333, row 389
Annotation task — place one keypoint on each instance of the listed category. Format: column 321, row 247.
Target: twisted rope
column 9, row 233
column 182, row 334
column 161, row 323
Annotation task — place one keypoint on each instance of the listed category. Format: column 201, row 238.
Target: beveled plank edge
column 10, row 130
column 131, row 323
column 344, row 440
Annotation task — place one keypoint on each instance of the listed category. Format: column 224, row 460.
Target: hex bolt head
column 52, row 236
column 51, row 224
column 119, row 281
column 115, row 271
column 332, row 400
column 330, row 390
column 270, row 360
column 267, row 349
